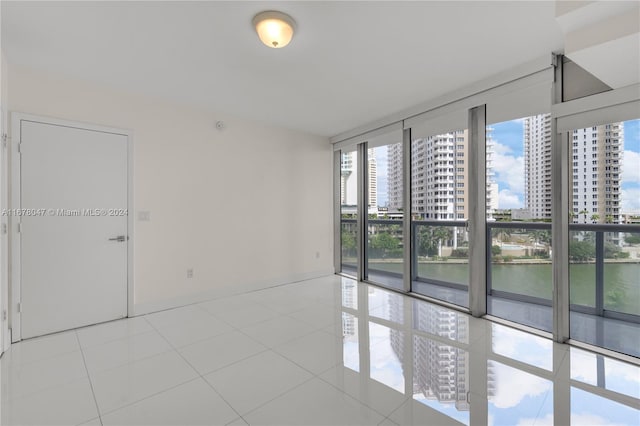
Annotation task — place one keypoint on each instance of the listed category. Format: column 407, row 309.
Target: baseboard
column 217, row 293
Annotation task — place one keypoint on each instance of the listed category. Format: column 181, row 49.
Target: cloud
column 630, row 199
column 509, row 169
column 576, row 419
column 517, row 345
column 509, row 200
column 512, row 386
column 631, row 167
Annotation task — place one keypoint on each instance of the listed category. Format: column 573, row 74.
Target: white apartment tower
column 394, row 175
column 349, row 179
column 439, row 177
column 372, row 173
column 537, row 166
column 596, row 158
column 596, row 165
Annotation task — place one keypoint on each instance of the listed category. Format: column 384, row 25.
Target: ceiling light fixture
column 275, row 29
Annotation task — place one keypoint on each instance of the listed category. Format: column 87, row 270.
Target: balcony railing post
column 599, row 273
column 414, row 255
column 363, row 211
column 489, row 258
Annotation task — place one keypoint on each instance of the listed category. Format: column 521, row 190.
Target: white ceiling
column 349, row 63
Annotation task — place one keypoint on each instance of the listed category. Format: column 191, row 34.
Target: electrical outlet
column 190, row 273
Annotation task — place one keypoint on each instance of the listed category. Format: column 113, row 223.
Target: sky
column 508, row 165
column 519, row 397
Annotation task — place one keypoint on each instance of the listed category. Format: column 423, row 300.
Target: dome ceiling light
column 274, row 28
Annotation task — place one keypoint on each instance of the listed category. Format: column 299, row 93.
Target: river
column 622, row 280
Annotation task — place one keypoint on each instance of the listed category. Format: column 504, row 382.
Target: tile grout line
column 200, row 376
column 156, row 393
column 93, row 392
column 385, row 416
column 313, row 375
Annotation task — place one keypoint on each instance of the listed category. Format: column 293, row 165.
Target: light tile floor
column 327, row 351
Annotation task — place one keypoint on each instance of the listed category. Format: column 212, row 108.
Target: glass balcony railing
column 519, row 272
column 349, row 246
column 604, row 268
column 440, row 262
column 604, row 271
column 385, row 252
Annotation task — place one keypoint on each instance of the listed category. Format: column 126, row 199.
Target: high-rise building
column 394, row 176
column 596, row 160
column 349, row 179
column 537, row 166
column 372, row 173
column 439, row 176
column 445, row 376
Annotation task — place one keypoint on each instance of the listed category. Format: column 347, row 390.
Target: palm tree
column 441, row 233
column 595, row 217
column 584, row 212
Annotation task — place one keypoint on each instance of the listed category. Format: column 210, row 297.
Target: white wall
column 246, row 207
column 4, row 258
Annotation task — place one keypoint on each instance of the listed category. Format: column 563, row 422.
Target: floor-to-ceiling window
column 518, row 204
column 440, row 190
column 349, row 212
column 558, row 197
column 604, row 235
column 385, row 212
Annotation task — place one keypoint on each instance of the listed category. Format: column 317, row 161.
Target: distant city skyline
column 508, row 167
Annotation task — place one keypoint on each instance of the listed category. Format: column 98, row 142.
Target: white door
column 73, row 261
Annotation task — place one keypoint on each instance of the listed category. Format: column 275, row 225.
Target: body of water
column 621, row 289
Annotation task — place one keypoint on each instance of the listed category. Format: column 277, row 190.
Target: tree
column 348, row 243
column 496, row 250
column 595, row 217
column 632, row 238
column 581, row 251
column 440, row 234
column 611, row 251
column 585, row 212
column 503, row 233
column 384, row 244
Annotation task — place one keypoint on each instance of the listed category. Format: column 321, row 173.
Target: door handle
column 119, row 238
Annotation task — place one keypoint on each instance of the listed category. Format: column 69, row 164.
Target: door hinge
column 19, row 227
column 20, row 148
column 4, row 315
column 4, row 228
column 4, row 140
column 19, row 308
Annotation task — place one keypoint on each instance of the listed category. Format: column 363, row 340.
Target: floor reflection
column 440, row 366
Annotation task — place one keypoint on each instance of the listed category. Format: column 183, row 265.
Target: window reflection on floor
column 421, row 363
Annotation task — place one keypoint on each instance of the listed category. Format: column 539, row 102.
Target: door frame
column 15, row 203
